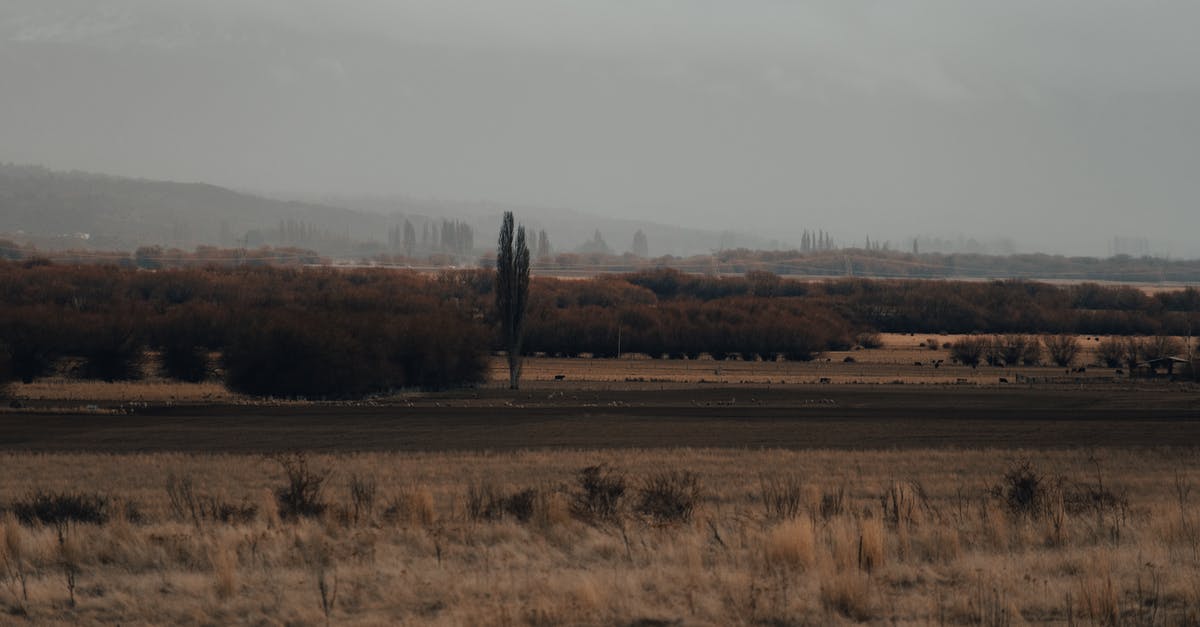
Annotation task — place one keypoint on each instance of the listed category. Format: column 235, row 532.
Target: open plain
column 720, row 493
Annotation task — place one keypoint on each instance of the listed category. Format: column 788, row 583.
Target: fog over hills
column 84, row 210
column 1053, row 126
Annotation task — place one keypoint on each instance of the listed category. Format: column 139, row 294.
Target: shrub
column 669, row 497
column 1016, row 349
column 186, row 505
column 600, row 492
column 782, row 496
column 112, row 351
column 60, row 508
column 833, row 503
column 411, row 506
column 294, row 355
column 486, row 502
column 1161, row 346
column 362, row 496
column 1063, row 348
column 33, row 343
column 1111, row 352
column 969, row 350
column 1024, row 491
column 869, row 340
column 301, row 495
column 185, row 362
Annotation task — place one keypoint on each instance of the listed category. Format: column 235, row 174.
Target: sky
column 1056, row 124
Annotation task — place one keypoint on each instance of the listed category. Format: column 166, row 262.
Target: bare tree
column 970, row 350
column 1063, row 348
column 512, row 293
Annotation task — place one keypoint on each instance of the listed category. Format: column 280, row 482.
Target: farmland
column 878, row 479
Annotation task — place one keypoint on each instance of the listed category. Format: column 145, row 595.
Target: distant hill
column 76, row 209
column 56, row 210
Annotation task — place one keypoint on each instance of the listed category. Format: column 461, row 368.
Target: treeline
column 323, row 332
column 159, row 257
column 605, row 316
column 316, row 333
column 913, row 306
column 872, row 261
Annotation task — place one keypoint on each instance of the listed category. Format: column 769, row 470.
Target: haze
column 1060, row 125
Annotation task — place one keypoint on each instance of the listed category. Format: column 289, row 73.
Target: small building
column 1171, row 368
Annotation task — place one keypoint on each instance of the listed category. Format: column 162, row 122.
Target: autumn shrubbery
column 280, row 332
column 335, row 333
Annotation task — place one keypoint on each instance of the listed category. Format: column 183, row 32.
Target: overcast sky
column 1059, row 123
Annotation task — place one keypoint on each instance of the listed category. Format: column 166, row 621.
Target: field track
column 796, row 417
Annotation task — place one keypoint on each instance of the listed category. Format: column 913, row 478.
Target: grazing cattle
column 826, row 380
column 1119, row 371
column 1003, row 380
column 560, row 377
column 917, row 363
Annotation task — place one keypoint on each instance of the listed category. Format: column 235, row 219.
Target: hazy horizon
column 1057, row 125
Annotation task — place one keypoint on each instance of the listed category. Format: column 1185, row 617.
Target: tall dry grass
column 912, row 537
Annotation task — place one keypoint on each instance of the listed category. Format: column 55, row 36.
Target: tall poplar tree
column 512, row 293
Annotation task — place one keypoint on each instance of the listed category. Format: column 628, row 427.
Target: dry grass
column 912, row 537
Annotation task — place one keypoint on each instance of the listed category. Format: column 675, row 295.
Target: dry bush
column 301, row 496
column 869, row 340
column 413, row 506
column 1161, row 346
column 1025, row 491
column 1063, row 348
column 1111, row 352
column 362, row 491
column 906, row 504
column 782, row 497
column 61, row 508
column 832, row 503
column 599, row 494
column 486, row 502
column 970, row 350
column 669, row 497
column 185, row 505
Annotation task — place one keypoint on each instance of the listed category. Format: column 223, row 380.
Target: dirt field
column 890, row 397
column 641, row 415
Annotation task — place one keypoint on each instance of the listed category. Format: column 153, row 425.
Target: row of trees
column 326, row 332
column 313, row 333
column 1063, row 350
column 452, row 237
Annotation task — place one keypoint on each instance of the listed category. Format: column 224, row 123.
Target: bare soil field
column 639, row 415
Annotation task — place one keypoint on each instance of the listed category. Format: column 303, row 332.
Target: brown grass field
column 879, row 497
column 776, row 537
